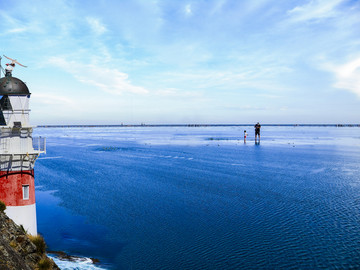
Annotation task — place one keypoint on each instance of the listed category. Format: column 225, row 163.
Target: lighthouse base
column 25, row 216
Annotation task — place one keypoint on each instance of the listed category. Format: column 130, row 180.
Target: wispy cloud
column 52, row 99
column 13, row 25
column 185, row 56
column 17, row 30
column 188, row 10
column 314, row 10
column 218, row 5
column 262, row 78
column 96, row 26
column 108, row 80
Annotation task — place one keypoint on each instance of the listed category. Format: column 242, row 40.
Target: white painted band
column 24, row 215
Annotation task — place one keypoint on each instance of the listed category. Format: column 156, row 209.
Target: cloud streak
column 108, row 80
column 52, row 99
column 315, row 10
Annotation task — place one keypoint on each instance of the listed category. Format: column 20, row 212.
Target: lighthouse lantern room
column 18, row 151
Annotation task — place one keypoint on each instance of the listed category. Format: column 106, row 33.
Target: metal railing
column 39, row 144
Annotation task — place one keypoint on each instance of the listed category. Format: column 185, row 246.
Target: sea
column 199, row 197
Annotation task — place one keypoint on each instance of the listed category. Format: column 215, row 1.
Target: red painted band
column 12, row 184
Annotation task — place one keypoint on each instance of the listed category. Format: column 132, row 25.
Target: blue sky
column 172, row 61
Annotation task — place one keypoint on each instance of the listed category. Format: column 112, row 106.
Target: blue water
column 199, row 198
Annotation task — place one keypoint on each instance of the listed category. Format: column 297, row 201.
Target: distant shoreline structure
column 200, row 125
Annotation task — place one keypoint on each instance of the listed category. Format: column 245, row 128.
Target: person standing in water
column 245, row 135
column 257, row 131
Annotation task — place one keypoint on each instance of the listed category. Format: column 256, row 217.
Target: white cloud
column 96, row 26
column 13, row 25
column 348, row 76
column 108, row 80
column 17, row 30
column 188, row 10
column 314, row 10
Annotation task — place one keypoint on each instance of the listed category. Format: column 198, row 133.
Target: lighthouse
column 18, row 152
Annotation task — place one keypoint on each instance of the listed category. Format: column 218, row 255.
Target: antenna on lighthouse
column 2, row 69
column 10, row 66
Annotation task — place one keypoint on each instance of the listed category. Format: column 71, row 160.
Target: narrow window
column 25, row 192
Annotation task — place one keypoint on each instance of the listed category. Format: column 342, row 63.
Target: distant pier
column 199, row 125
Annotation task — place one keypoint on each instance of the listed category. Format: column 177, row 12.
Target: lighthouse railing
column 39, row 144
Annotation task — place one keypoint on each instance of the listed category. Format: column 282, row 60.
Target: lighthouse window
column 25, row 192
column 5, row 103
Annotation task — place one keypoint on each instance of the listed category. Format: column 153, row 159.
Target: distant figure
column 257, row 131
column 245, row 135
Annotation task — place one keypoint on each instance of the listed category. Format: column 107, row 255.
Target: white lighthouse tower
column 18, row 152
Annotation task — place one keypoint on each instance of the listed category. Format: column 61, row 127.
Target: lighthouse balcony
column 39, row 144
column 20, row 146
column 17, row 162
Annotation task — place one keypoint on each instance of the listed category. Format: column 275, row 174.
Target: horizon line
column 197, row 125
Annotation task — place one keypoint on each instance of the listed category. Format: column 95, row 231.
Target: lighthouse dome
column 13, row 86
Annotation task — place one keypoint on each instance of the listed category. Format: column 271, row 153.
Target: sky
column 186, row 61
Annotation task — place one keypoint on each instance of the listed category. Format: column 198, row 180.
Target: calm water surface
column 199, row 198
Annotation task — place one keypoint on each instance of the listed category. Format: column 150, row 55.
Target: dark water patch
column 223, row 138
column 113, row 149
